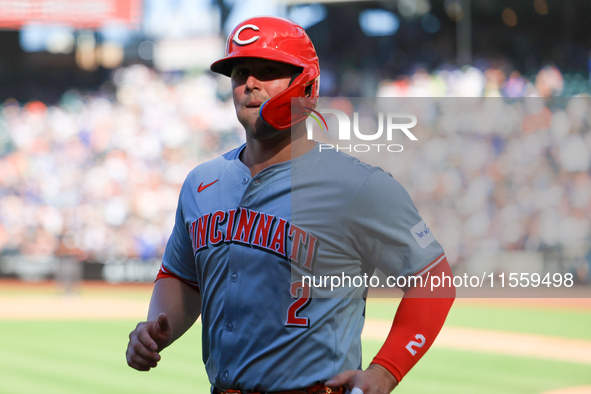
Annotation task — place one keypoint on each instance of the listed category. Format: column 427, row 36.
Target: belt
column 318, row 389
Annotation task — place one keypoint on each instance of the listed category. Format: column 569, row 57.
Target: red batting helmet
column 280, row 40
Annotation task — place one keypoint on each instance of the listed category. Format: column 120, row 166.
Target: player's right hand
column 146, row 341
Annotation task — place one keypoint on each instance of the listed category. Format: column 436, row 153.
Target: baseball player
column 253, row 223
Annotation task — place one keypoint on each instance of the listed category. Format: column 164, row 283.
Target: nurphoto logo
column 392, row 123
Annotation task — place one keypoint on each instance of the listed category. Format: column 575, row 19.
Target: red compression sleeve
column 417, row 323
column 164, row 273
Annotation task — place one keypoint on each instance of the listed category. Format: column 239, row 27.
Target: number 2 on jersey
column 302, row 291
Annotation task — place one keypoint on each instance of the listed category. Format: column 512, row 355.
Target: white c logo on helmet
column 237, row 39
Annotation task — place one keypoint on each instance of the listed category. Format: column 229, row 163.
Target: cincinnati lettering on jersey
column 256, row 229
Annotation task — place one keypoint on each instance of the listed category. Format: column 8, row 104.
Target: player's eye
column 239, row 72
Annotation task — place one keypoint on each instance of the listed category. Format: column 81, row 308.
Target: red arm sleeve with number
column 417, row 323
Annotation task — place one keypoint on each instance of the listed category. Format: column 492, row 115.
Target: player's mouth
column 254, row 104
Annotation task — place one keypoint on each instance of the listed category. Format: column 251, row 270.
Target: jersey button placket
column 246, row 199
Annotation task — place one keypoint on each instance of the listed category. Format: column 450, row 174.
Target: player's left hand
column 374, row 380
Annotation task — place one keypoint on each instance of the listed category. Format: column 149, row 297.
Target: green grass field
column 86, row 356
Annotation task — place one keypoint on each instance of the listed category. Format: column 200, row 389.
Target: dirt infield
column 95, row 300
column 582, row 304
column 70, row 307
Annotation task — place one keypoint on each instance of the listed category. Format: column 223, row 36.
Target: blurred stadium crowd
column 101, row 176
column 97, row 176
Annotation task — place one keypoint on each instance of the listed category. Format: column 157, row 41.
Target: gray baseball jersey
column 245, row 242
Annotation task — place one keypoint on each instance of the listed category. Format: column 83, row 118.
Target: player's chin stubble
column 261, row 131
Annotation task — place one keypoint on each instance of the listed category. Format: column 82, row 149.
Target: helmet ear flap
column 278, row 113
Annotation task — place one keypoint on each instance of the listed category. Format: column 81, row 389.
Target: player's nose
column 252, row 83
